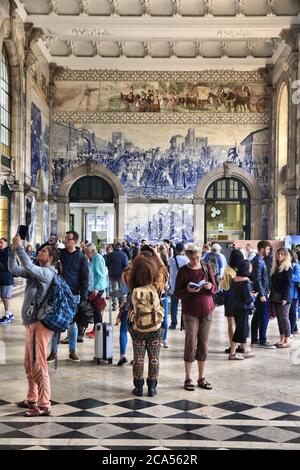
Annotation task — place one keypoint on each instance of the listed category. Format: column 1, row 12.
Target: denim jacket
column 295, row 281
column 259, row 276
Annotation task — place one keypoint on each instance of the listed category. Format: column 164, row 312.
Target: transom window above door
column 227, row 189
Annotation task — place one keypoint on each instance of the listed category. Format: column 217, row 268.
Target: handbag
column 85, row 313
column 276, row 297
column 97, row 302
column 219, row 298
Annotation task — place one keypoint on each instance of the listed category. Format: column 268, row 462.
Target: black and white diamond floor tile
column 131, row 426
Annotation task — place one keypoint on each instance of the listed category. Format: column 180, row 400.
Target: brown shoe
column 51, row 358
column 73, row 357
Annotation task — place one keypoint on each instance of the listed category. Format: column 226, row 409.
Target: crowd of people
column 140, row 278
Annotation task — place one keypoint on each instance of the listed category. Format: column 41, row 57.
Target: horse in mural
column 130, row 97
column 239, row 101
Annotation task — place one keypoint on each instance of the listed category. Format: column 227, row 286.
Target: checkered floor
column 142, row 424
column 254, row 403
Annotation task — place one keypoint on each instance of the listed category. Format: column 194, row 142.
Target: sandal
column 27, row 404
column 282, row 345
column 33, row 412
column 188, row 385
column 202, row 383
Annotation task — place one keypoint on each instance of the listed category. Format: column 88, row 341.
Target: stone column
column 199, row 220
column 292, row 197
column 120, row 209
column 63, row 212
column 256, row 219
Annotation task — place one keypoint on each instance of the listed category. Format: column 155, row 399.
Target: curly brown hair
column 144, row 271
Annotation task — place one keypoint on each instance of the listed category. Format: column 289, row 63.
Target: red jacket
column 196, row 304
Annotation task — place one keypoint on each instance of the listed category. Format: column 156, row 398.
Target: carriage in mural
column 192, row 97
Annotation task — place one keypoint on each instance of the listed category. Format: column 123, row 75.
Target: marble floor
column 254, row 403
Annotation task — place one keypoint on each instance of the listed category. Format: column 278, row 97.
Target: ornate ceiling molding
column 163, row 118
column 206, row 76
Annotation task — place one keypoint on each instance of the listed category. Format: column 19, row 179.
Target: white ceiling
column 160, row 34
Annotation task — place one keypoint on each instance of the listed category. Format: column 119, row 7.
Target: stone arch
column 90, row 169
column 233, row 172
column 282, row 138
column 229, row 170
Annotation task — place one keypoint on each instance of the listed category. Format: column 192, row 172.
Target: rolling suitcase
column 104, row 339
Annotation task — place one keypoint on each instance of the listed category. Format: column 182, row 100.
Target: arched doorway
column 61, row 206
column 282, row 148
column 227, row 210
column 92, row 212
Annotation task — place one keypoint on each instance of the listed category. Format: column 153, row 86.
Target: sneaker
column 172, row 327
column 165, row 344
column 7, row 318
column 65, row 340
column 79, row 339
column 235, row 357
column 73, row 357
column 122, row 361
column 11, row 315
column 255, row 342
column 51, row 358
column 266, row 345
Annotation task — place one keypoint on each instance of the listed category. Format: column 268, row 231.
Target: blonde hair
column 285, row 265
column 91, row 248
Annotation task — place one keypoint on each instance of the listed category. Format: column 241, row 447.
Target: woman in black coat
column 241, row 304
column 281, row 283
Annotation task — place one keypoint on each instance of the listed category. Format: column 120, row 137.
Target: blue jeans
column 260, row 321
column 174, row 309
column 293, row 316
column 72, row 334
column 123, row 334
column 165, row 321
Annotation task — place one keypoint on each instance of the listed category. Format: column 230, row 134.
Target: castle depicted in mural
column 172, row 169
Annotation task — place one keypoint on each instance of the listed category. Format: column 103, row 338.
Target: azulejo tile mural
column 157, row 221
column 158, row 161
column 160, row 97
column 39, row 146
column 39, row 168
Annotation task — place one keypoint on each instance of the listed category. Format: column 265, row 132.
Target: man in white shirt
column 175, row 263
column 250, row 254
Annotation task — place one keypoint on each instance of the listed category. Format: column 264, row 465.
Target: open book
column 198, row 285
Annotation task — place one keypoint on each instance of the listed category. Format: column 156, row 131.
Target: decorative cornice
column 94, row 32
column 163, row 118
column 207, row 76
column 291, row 37
column 54, row 70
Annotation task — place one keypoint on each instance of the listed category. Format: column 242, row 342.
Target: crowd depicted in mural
column 156, row 172
column 160, row 97
column 39, row 146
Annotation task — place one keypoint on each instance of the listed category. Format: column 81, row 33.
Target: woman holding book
column 197, row 308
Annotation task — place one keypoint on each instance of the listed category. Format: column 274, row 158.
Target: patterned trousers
column 142, row 342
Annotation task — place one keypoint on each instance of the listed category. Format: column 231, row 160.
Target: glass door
column 99, row 227
column 227, row 211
